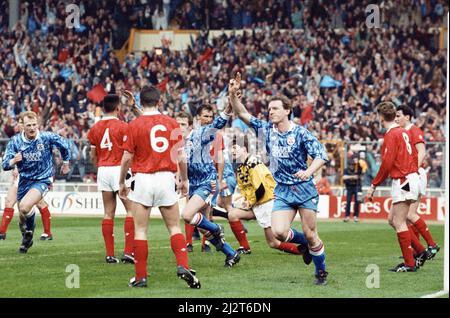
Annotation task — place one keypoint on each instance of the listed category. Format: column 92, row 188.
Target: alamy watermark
column 373, row 279
column 73, row 16
column 73, row 279
column 373, row 16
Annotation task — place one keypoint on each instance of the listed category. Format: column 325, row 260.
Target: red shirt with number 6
column 397, row 159
column 155, row 140
column 107, row 136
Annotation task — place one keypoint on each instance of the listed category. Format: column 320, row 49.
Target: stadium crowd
column 333, row 68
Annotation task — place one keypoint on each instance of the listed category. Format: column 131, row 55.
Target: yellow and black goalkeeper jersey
column 255, row 181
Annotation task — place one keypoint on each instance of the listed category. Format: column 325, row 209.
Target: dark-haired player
column 398, row 163
column 416, row 136
column 107, row 138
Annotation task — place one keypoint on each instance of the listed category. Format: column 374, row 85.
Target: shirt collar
column 393, row 126
column 109, row 117
column 25, row 139
column 291, row 127
column 408, row 127
column 152, row 112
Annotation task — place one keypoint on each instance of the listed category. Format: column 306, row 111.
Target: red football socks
column 189, row 231
column 108, row 236
column 128, row 229
column 422, row 227
column 239, row 233
column 178, row 244
column 415, row 241
column 404, row 239
column 8, row 214
column 46, row 220
column 288, row 248
column 140, row 258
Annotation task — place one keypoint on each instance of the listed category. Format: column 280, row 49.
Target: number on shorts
column 154, row 141
column 106, row 141
column 408, row 145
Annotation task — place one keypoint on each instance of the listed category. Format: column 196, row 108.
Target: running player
column 416, row 224
column 31, row 152
column 154, row 148
column 288, row 146
column 256, row 183
column 202, row 181
column 11, row 200
column 400, row 165
column 106, row 138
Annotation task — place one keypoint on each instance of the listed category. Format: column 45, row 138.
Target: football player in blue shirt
column 31, row 152
column 288, row 146
column 202, row 177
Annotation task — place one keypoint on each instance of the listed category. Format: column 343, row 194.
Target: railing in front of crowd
column 340, row 153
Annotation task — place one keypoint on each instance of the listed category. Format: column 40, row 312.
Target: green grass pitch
column 350, row 248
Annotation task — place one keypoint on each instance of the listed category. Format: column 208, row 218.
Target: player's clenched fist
column 17, row 158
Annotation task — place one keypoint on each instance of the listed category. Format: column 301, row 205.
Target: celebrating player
column 154, row 147
column 288, row 146
column 256, row 183
column 416, row 224
column 202, row 181
column 31, row 152
column 8, row 212
column 106, row 138
column 400, row 165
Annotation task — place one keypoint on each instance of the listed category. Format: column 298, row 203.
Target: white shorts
column 263, row 214
column 423, row 180
column 408, row 190
column 108, row 178
column 154, row 189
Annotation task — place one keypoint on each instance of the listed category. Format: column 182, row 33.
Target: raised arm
column 238, row 107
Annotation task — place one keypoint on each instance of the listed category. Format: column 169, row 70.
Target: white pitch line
column 436, row 295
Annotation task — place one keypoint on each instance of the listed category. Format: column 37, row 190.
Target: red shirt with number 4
column 397, row 159
column 107, row 136
column 155, row 140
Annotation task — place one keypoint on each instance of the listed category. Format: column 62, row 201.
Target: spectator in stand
column 323, row 185
column 352, row 181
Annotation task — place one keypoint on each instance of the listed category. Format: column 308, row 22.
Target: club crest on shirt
column 40, row 147
column 291, row 140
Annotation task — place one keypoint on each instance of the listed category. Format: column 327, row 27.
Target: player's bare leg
column 315, row 244
column 171, row 216
column 46, row 220
column 397, row 219
column 215, row 231
column 109, row 206
column 417, row 226
column 8, row 212
column 141, row 218
column 128, row 253
column 27, row 218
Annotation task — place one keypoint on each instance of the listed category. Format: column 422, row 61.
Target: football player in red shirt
column 399, row 164
column 416, row 224
column 154, row 147
column 106, row 138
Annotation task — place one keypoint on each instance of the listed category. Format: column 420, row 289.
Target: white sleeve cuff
column 224, row 116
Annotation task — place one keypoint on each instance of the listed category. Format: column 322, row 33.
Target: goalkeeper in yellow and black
column 256, row 184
